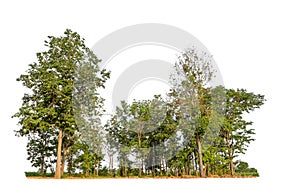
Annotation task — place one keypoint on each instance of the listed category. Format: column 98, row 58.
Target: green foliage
column 235, row 131
column 32, row 174
column 243, row 169
column 104, row 172
column 38, row 174
column 66, row 68
column 40, row 150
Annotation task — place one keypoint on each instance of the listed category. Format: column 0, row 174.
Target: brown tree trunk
column 230, row 155
column 58, row 160
column 199, row 155
column 207, row 170
column 63, row 160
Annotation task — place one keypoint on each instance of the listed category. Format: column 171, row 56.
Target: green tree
column 51, row 83
column 40, row 150
column 73, row 154
column 235, row 129
column 190, row 88
column 118, row 130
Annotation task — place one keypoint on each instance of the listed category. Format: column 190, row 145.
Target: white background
column 255, row 44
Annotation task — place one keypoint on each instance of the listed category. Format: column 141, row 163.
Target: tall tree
column 194, row 71
column 51, row 84
column 235, row 129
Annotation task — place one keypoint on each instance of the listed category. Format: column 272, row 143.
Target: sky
column 255, row 45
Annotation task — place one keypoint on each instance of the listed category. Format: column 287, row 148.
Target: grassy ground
column 146, row 177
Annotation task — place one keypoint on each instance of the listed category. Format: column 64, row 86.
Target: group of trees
column 196, row 129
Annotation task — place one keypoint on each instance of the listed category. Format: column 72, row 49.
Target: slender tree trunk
column 199, row 155
column 188, row 165
column 140, row 169
column 207, row 170
column 230, row 155
column 70, row 165
column 42, row 167
column 161, row 167
column 231, row 162
column 111, row 163
column 96, row 163
column 195, row 164
column 58, row 160
column 166, row 168
column 126, row 168
column 140, row 155
column 63, row 160
column 43, row 156
column 43, row 162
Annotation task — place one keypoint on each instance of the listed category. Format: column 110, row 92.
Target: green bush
column 37, row 174
column 103, row 171
column 32, row 174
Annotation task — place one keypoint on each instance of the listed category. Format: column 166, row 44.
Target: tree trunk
column 231, row 162
column 63, row 160
column 125, row 169
column 140, row 171
column 207, row 170
column 111, row 164
column 42, row 167
column 195, row 164
column 230, row 155
column 43, row 162
column 96, row 163
column 70, row 165
column 140, row 155
column 161, row 167
column 199, row 155
column 58, row 160
column 43, row 155
column 188, row 165
column 153, row 161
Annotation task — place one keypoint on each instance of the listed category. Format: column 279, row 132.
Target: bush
column 32, row 174
column 243, row 169
column 38, row 174
column 103, row 172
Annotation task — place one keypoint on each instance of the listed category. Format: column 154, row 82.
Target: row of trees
column 196, row 129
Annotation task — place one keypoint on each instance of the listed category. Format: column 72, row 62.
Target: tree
column 117, row 129
column 190, row 87
column 235, row 130
column 110, row 145
column 40, row 150
column 51, row 82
